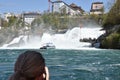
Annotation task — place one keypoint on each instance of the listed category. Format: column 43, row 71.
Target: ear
column 47, row 73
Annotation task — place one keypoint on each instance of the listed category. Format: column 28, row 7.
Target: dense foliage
column 111, row 24
column 113, row 17
column 56, row 21
column 112, row 41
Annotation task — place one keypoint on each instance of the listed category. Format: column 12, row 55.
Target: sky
column 19, row 6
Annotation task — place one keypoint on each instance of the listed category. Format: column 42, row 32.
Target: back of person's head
column 28, row 66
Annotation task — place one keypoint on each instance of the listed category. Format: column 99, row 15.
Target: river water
column 69, row 64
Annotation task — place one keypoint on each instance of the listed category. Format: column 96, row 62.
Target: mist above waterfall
column 39, row 34
column 68, row 40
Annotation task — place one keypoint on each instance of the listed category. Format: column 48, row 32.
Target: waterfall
column 68, row 40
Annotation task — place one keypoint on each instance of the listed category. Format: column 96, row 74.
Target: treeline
column 56, row 21
column 111, row 23
column 50, row 20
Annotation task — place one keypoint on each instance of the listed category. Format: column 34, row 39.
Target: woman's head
column 28, row 66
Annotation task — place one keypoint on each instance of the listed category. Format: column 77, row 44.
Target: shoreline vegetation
column 60, row 23
column 111, row 24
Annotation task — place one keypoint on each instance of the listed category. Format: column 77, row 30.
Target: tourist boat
column 48, row 46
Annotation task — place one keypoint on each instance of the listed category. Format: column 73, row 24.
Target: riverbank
column 110, row 39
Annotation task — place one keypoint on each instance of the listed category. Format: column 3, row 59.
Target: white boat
column 48, row 46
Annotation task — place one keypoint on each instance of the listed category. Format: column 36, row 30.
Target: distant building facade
column 62, row 7
column 30, row 16
column 56, row 5
column 97, row 8
column 76, row 8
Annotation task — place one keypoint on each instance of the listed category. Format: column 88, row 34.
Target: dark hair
column 28, row 66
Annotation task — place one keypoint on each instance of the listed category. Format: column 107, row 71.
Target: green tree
column 55, row 20
column 113, row 17
column 112, row 41
column 12, row 20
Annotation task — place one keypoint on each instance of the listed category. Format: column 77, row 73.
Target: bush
column 112, row 41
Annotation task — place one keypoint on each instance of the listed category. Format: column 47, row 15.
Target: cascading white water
column 71, row 39
column 68, row 40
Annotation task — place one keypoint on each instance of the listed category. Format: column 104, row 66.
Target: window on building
column 96, row 7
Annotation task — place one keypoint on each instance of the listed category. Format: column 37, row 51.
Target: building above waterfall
column 30, row 16
column 97, row 8
column 77, row 8
column 63, row 8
